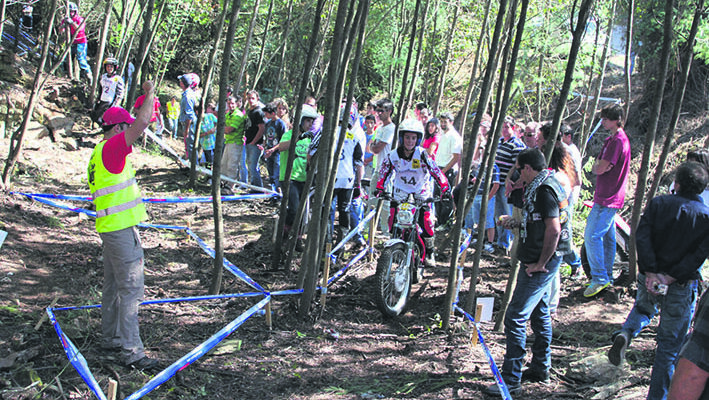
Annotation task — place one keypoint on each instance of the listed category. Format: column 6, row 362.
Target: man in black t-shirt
column 255, row 129
column 544, row 236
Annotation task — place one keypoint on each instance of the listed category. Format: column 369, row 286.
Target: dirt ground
column 52, row 254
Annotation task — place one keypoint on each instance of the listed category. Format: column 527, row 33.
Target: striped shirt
column 507, row 152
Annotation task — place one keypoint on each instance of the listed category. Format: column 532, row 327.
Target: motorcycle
column 620, row 266
column 401, row 261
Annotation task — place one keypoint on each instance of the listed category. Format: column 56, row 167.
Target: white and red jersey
column 412, row 175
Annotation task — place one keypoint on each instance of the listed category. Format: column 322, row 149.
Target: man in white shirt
column 382, row 146
column 448, row 159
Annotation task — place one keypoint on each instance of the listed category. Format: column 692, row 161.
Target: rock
column 596, row 368
column 35, row 130
column 60, row 125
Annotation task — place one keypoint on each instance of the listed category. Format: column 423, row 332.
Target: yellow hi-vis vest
column 173, row 111
column 119, row 204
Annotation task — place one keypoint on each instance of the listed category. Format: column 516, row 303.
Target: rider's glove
column 447, row 196
column 356, row 192
column 379, row 192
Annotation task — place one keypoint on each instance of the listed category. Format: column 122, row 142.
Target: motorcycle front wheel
column 393, row 280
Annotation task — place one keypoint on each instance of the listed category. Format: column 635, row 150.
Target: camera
column 660, row 288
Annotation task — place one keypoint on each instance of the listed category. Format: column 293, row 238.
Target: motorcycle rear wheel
column 393, row 280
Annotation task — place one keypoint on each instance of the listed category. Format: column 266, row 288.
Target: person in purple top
column 611, row 170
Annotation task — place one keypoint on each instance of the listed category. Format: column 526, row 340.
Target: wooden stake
column 45, row 316
column 325, row 275
column 269, row 321
column 112, row 389
column 373, row 228
column 478, row 314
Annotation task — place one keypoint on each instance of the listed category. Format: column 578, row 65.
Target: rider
column 414, row 169
column 111, row 89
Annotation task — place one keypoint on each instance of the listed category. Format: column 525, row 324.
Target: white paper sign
column 488, row 304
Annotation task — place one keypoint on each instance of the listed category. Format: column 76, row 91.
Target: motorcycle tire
column 620, row 265
column 393, row 281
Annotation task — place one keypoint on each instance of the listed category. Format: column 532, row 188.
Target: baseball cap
column 117, row 115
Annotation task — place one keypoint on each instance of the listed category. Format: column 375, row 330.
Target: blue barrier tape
column 203, row 170
column 170, row 300
column 174, row 199
column 227, row 264
column 75, row 358
column 286, row 292
column 504, row 391
column 198, row 351
column 349, row 264
column 353, row 232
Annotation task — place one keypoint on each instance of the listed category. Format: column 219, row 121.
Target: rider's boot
column 430, row 260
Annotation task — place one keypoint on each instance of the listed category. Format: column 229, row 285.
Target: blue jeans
column 473, row 216
column 529, row 303
column 676, row 310
column 189, row 139
column 253, row 154
column 356, row 215
column 599, row 239
column 78, row 50
column 273, row 164
column 504, row 236
column 172, row 127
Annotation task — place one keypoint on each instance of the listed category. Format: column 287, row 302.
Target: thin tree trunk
column 19, row 135
column 686, row 64
column 263, row 45
column 404, row 78
column 99, row 54
column 586, row 101
column 176, row 41
column 628, row 53
column 3, row 7
column 316, row 235
column 595, row 93
column 474, row 72
column 218, row 266
column 302, row 92
column 584, row 12
column 247, row 46
column 205, row 96
column 468, row 159
column 650, row 137
column 142, row 49
column 419, row 51
column 284, row 41
column 446, row 57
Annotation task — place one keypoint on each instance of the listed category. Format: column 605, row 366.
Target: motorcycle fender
column 392, row 242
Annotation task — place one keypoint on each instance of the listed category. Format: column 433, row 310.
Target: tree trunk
column 584, row 12
column 205, row 96
column 284, row 40
column 142, row 49
column 474, row 72
column 19, row 135
column 247, row 46
column 176, row 42
column 3, row 7
column 628, row 54
column 404, row 78
column 483, row 102
column 218, row 266
column 595, row 93
column 263, row 45
column 650, row 137
column 99, row 55
column 419, row 51
column 323, row 159
column 446, row 57
column 686, row 64
column 302, row 93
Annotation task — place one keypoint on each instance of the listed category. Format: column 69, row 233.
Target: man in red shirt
column 119, row 209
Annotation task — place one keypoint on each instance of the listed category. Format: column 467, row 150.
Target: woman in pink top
column 432, row 137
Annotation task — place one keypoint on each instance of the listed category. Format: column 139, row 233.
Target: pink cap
column 117, row 115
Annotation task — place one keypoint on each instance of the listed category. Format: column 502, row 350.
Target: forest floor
column 53, row 255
